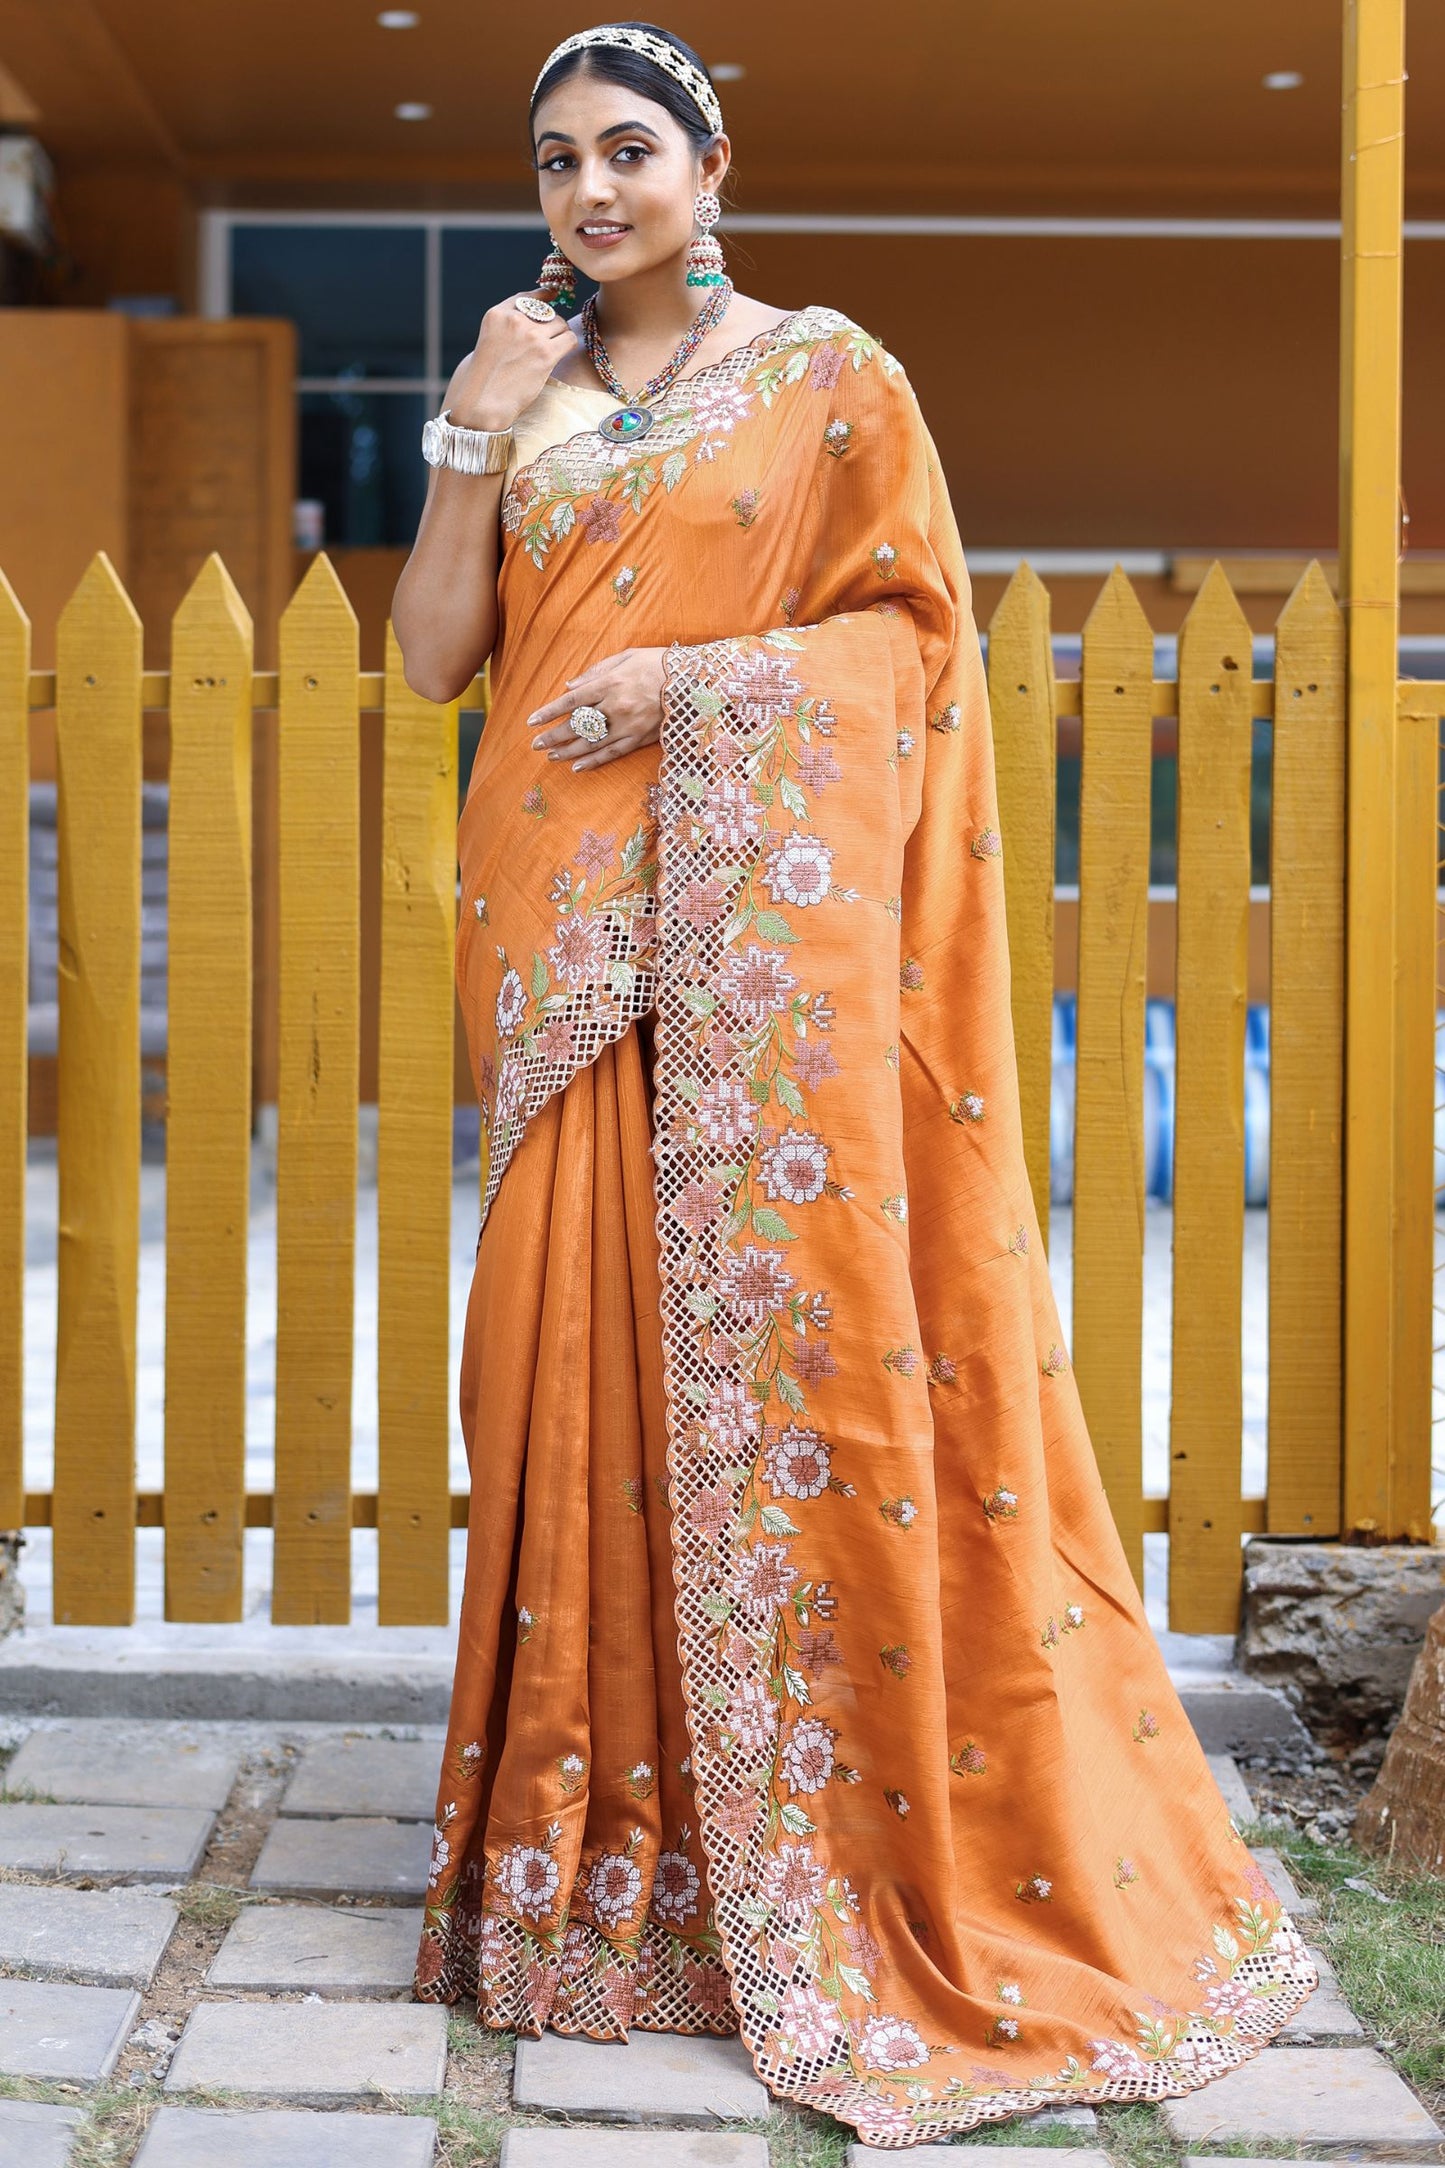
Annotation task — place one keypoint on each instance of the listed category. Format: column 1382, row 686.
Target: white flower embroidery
column 511, row 1003
column 753, row 1714
column 891, row 2043
column 799, row 870
column 1010, row 1991
column 807, row 2022
column 807, row 1756
column 613, row 1887
column 798, row 1463
column 794, row 1882
column 757, row 983
column 528, row 1877
column 511, row 1090
column 795, row 1167
column 675, row 1887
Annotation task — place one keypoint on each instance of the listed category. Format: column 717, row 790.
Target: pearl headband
column 658, row 51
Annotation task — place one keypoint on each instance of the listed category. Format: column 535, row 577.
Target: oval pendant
column 625, row 423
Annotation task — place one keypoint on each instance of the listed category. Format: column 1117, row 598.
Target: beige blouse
column 558, row 411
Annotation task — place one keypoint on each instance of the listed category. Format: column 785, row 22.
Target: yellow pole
column 1372, row 211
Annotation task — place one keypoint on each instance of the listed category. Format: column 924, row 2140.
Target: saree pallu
column 803, row 1688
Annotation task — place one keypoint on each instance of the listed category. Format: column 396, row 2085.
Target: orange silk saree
column 802, row 1686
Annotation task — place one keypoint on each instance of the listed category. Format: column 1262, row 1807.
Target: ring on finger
column 541, row 312
column 590, row 723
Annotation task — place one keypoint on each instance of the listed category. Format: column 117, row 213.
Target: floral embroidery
column 1001, row 2029
column 885, row 560
column 1125, row 1872
column 837, row 436
column 788, row 603
column 1146, row 1726
column 572, row 1769
column 631, row 1488
column 526, row 1623
column 902, row 1359
column 968, row 1107
column 528, row 1877
column 479, row 905
column 900, row 1806
column 641, row 1781
column 534, row 801
column 942, row 1370
column 986, row 844
column 795, row 1166
column 441, row 1851
column 1057, row 1361
column 1002, row 1504
column 895, row 1208
column 969, row 1761
column 1018, row 1242
column 1036, row 1891
column 744, row 506
column 614, row 1883
column 947, row 718
column 900, row 1512
column 905, row 744
column 623, row 583
column 910, row 975
column 470, row 1759
column 896, row 1659
column 675, row 1886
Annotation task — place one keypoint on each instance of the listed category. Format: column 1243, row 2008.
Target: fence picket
column 414, row 1150
column 14, row 883
column 1022, row 704
column 208, row 1099
column 1417, row 930
column 98, row 753
column 1211, row 984
column 1307, row 1005
column 319, row 790
column 1108, row 1258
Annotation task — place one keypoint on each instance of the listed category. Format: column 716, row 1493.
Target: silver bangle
column 445, row 443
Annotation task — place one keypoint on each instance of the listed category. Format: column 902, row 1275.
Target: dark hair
column 634, row 71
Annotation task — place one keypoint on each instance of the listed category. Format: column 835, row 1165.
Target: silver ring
column 541, row 312
column 589, row 723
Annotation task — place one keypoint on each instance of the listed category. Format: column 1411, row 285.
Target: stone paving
column 219, row 1943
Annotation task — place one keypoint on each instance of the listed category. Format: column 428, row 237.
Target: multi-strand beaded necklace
column 635, row 416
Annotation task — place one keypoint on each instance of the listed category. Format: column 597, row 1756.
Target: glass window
column 361, row 455
column 356, row 294
column 480, row 265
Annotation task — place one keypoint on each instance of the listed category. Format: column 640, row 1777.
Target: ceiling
column 1123, row 106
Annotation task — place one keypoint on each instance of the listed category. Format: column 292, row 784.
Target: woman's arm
column 444, row 612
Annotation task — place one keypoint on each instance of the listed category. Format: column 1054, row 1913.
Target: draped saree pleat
column 802, row 1686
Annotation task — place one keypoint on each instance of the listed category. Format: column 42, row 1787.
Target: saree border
column 804, row 2017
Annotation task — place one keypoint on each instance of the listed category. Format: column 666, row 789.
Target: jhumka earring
column 557, row 277
column 704, row 259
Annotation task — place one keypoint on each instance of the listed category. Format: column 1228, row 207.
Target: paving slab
column 1225, row 1771
column 331, row 1950
column 1326, row 2016
column 579, row 2143
column 73, row 2033
column 1330, row 2097
column 983, row 2156
column 648, row 2078
column 118, row 1765
column 1282, row 1883
column 285, row 2138
column 33, row 2135
column 393, row 1777
column 313, row 2054
column 354, row 1856
column 105, row 1938
column 149, row 1844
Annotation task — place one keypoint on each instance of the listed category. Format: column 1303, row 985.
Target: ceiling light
column 727, row 71
column 1284, row 79
column 398, row 18
column 412, row 111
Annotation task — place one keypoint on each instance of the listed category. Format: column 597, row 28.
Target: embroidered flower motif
column 813, row 1063
column 1000, row 2028
column 885, row 559
column 623, row 583
column 968, row 1107
column 1057, row 1361
column 600, row 520
column 757, row 983
column 969, row 1761
column 910, row 975
column 580, row 950
column 762, row 1580
column 529, row 1879
column 799, row 869
column 947, row 719
column 631, row 1488
column 1001, row 1504
column 826, row 367
column 903, row 1360
column 788, row 602
column 942, row 1370
column 906, row 743
column 1018, row 1242
column 899, row 1512
column 526, row 1623
column 895, row 1208
column 479, row 905
column 896, row 1659
column 534, row 801
column 471, row 1756
column 675, row 1888
column 761, row 690
column 1146, row 1726
column 795, row 1167
column 718, row 407
column 744, row 506
column 726, row 1114
column 806, row 2023
column 613, row 1887
column 986, row 844
column 837, row 436
column 1227, row 2000
column 511, row 1003
column 441, row 1851
column 1036, row 1891
column 1126, row 1872
column 898, row 1802
column 754, row 1283
column 641, row 1781
column 798, row 1463
column 891, row 2043
column 752, row 1716
column 555, row 1041
column 806, row 1760
column 1009, row 1991
column 571, row 1768
column 1049, row 1638
column 793, row 1881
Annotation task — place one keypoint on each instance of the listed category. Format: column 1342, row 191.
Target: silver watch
column 444, row 443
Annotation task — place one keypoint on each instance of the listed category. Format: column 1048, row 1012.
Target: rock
column 1402, row 1817
column 647, row 2078
column 1336, row 1627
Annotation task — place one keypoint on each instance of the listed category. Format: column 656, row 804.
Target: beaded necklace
column 635, row 416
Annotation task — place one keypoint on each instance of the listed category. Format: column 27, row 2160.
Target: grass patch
column 210, row 1904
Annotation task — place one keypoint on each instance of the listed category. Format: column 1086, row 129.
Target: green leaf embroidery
column 774, row 927
column 770, row 1224
column 674, row 467
column 539, row 977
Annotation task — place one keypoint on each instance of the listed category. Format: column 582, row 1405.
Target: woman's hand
column 508, row 366
column 628, row 689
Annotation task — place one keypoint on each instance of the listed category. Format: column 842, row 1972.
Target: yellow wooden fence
column 99, row 692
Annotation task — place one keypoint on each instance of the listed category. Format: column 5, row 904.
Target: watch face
column 433, row 442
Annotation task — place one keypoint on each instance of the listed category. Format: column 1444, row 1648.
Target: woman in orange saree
column 803, row 1688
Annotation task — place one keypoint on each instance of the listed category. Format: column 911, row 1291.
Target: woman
column 803, row 1688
